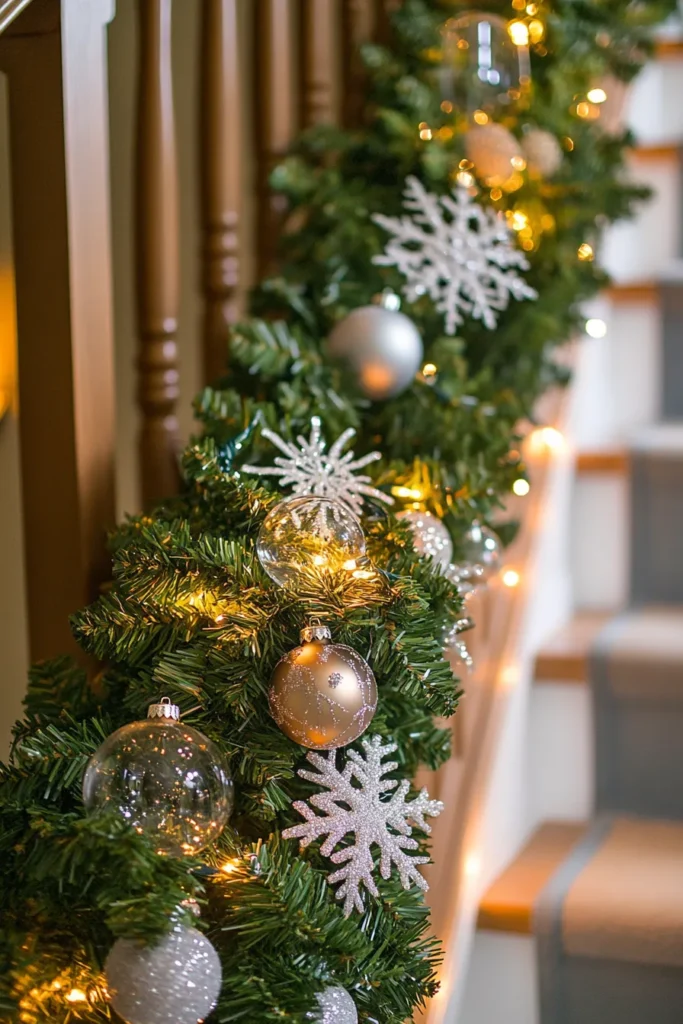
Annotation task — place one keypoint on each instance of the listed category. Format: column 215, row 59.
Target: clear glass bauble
column 336, row 1007
column 481, row 549
column 482, row 69
column 166, row 780
column 177, row 981
column 307, row 535
column 430, row 537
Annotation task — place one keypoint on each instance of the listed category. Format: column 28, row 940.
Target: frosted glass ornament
column 336, row 1007
column 382, row 345
column 482, row 549
column 309, row 534
column 430, row 537
column 494, row 151
column 178, row 981
column 482, row 69
column 543, row 153
column 165, row 779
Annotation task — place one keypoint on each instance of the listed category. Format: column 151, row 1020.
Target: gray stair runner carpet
column 609, row 924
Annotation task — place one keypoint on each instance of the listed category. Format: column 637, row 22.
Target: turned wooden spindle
column 359, row 18
column 318, row 61
column 221, row 152
column 275, row 111
column 157, row 251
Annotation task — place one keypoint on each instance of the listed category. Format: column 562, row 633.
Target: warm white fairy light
column 521, row 487
column 510, row 578
column 596, row 328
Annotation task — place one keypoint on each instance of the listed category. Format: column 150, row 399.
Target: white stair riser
column 649, row 112
column 600, row 541
column 642, row 248
column 560, row 752
column 501, row 984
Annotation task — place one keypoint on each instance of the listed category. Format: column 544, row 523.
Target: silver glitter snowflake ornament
column 456, row 251
column 359, row 809
column 312, row 470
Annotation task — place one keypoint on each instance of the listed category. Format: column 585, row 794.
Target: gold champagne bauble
column 322, row 695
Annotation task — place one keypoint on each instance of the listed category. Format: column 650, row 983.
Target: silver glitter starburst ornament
column 311, row 470
column 456, row 251
column 354, row 804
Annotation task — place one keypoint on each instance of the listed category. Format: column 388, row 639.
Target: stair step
column 664, row 440
column 603, row 460
column 565, row 657
column 508, row 904
column 635, row 291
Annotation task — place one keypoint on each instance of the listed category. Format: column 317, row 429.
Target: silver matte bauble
column 178, row 981
column 430, row 537
column 383, row 346
column 542, row 152
column 482, row 548
column 336, row 1007
column 163, row 778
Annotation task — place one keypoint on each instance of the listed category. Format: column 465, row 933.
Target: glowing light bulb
column 510, row 578
column 429, row 370
column 521, row 487
column 585, row 252
column 481, row 117
column 596, row 328
column 472, row 865
column 319, row 560
column 597, row 96
column 229, row 868
column 76, row 995
column 519, row 33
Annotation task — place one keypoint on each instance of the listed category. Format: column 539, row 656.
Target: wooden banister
column 359, row 24
column 157, row 250
column 318, row 62
column 275, row 116
column 221, row 178
column 54, row 56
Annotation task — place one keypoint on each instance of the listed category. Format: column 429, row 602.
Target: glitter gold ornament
column 495, row 153
column 322, row 695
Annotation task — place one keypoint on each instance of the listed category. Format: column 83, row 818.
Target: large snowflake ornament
column 454, row 250
column 312, row 470
column 359, row 809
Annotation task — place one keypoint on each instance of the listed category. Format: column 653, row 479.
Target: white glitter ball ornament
column 494, row 151
column 430, row 536
column 336, row 1007
column 543, row 153
column 382, row 345
column 177, row 981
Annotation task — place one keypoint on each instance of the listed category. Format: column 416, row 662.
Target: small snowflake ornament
column 454, row 250
column 359, row 809
column 312, row 470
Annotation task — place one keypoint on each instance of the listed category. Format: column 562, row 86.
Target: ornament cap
column 164, row 709
column 315, row 632
column 387, row 299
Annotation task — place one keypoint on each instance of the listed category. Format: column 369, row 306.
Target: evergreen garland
column 190, row 613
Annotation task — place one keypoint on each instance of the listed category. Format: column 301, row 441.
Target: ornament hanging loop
column 315, row 632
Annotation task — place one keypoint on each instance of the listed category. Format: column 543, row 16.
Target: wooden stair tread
column 656, row 151
column 565, row 657
column 633, row 291
column 603, row 460
column 508, row 904
column 668, row 49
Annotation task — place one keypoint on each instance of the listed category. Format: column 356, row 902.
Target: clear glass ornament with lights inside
column 482, row 550
column 307, row 535
column 165, row 779
column 485, row 64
